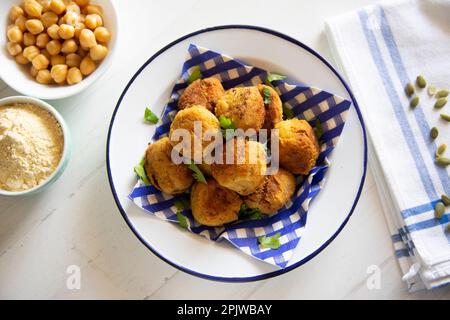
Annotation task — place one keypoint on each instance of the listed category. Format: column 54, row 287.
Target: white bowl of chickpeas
column 53, row 49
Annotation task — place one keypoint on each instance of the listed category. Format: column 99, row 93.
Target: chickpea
column 40, row 62
column 93, row 21
column 20, row 59
column 87, row 39
column 35, row 26
column 14, row 34
column 78, row 28
column 66, row 31
column 31, row 52
column 21, row 23
column 33, row 71
column 82, row 3
column 93, row 9
column 49, row 18
column 72, row 18
column 33, row 8
column 53, row 47
column 57, row 59
column 15, row 12
column 57, row 6
column 69, row 46
column 45, row 5
column 73, row 7
column 73, row 60
column 98, row 52
column 29, row 39
column 59, row 73
column 74, row 76
column 44, row 77
column 42, row 39
column 53, row 31
column 87, row 66
column 14, row 48
column 102, row 34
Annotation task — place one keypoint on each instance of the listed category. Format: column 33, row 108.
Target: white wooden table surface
column 76, row 221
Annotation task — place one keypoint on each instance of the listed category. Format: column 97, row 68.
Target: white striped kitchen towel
column 380, row 49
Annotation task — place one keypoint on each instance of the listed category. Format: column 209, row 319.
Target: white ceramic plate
column 151, row 86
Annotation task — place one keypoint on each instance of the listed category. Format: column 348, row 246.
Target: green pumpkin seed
column 409, row 89
column 431, row 90
column 441, row 102
column 434, row 132
column 442, row 93
column 445, row 199
column 421, row 82
column 441, row 149
column 414, row 102
column 442, row 161
column 439, row 210
column 445, row 117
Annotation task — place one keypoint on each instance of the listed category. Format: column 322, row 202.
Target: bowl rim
column 85, row 83
column 66, row 135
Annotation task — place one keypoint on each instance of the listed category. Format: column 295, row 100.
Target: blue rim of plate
column 269, row 274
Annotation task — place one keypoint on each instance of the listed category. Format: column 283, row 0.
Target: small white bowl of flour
column 34, row 145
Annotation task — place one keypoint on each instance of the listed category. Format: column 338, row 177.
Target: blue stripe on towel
column 418, row 112
column 398, row 107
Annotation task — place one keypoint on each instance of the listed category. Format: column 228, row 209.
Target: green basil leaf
column 149, row 116
column 272, row 242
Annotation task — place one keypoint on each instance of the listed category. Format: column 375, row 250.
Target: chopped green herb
column 181, row 203
column 318, row 129
column 274, row 77
column 248, row 213
column 195, row 74
column 182, row 220
column 197, row 174
column 226, row 124
column 287, row 112
column 140, row 171
column 272, row 242
column 267, row 97
column 149, row 116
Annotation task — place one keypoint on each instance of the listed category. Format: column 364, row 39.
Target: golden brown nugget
column 242, row 176
column 273, row 193
column 186, row 118
column 213, row 205
column 298, row 146
column 274, row 109
column 201, row 92
column 244, row 106
column 166, row 176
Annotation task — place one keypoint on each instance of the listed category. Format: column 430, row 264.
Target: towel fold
column 380, row 49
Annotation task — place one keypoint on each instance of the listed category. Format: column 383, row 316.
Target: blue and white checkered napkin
column 380, row 49
column 307, row 103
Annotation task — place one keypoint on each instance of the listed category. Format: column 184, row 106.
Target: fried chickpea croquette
column 274, row 110
column 162, row 172
column 213, row 205
column 244, row 106
column 186, row 119
column 298, row 144
column 273, row 193
column 246, row 171
column 201, row 92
